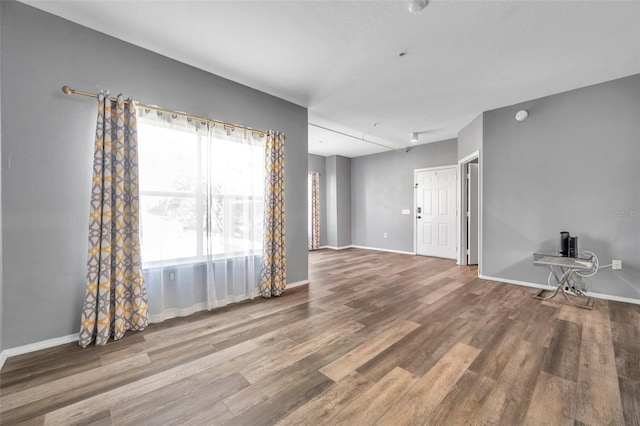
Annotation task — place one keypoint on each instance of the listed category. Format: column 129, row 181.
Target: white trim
column 516, row 282
column 547, row 287
column 614, row 298
column 382, row 249
column 469, row 157
column 321, row 247
column 338, row 248
column 3, row 358
column 480, row 209
column 462, row 207
column 297, row 284
column 45, row 344
column 36, row 346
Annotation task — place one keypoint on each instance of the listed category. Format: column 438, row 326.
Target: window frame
column 199, row 194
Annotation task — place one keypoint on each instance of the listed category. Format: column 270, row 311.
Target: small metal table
column 564, row 270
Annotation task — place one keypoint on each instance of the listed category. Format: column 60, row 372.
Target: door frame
column 415, row 202
column 462, row 207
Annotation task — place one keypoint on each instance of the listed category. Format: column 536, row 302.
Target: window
column 201, row 192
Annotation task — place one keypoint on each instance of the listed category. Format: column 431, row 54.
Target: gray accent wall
column 382, row 186
column 573, row 165
column 317, row 165
column 47, row 148
column 338, row 192
column 470, row 138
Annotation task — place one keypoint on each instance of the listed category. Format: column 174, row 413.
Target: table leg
column 560, row 288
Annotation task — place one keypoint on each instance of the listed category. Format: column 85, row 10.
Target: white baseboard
column 543, row 286
column 32, row 347
column 382, row 249
column 45, row 344
column 369, row 248
column 3, row 358
column 298, row 283
column 516, row 282
column 614, row 298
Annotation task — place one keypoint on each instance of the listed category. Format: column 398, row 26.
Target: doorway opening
column 470, row 218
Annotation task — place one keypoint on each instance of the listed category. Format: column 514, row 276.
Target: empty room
column 319, row 212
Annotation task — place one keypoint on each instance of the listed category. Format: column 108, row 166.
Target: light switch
column 406, row 211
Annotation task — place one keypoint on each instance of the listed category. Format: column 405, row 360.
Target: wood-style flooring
column 375, row 339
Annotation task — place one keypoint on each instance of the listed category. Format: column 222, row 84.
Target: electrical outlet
column 616, row 264
column 172, row 276
column 384, row 235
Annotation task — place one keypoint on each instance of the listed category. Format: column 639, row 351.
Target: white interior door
column 472, row 213
column 436, row 212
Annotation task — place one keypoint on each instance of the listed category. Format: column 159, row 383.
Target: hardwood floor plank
column 499, row 350
column 83, row 409
column 626, row 343
column 441, row 292
column 403, row 340
column 431, row 351
column 375, row 401
column 33, row 421
column 323, row 407
column 448, row 308
column 563, row 356
column 400, row 352
column 462, row 405
column 542, row 324
column 553, row 402
column 485, row 323
column 272, row 384
column 421, row 400
column 311, row 326
column 269, row 411
column 370, row 348
column 598, row 399
column 508, row 402
column 199, row 414
column 181, row 401
column 630, row 402
column 9, row 401
column 259, row 370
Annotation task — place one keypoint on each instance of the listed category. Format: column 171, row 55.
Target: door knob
column 419, row 217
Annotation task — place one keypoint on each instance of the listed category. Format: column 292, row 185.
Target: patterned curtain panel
column 314, row 240
column 273, row 275
column 116, row 298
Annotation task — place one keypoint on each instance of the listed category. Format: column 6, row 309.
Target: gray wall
column 382, row 186
column 470, row 138
column 343, row 173
column 47, row 155
column 317, row 165
column 571, row 166
column 338, row 192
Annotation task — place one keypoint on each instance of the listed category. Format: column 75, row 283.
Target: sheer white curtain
column 202, row 204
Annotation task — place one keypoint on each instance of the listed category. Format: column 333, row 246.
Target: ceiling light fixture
column 416, row 6
column 414, row 137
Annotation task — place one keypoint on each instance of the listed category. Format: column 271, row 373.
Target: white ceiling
column 340, row 59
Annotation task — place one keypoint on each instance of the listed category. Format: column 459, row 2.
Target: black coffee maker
column 568, row 245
